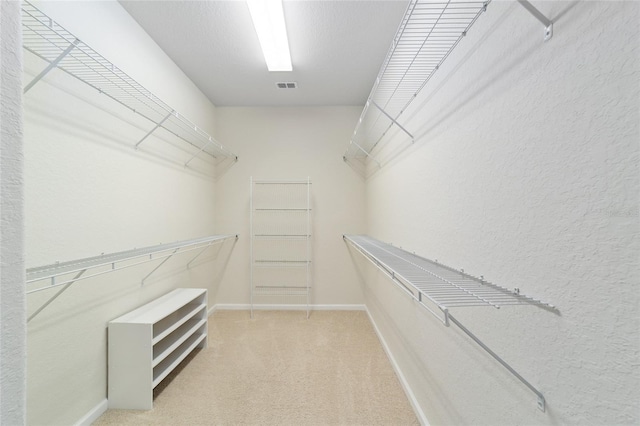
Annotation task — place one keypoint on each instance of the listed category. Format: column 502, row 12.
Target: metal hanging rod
column 62, row 50
column 439, row 287
column 108, row 263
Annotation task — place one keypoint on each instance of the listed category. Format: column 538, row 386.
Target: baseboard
column 403, row 381
column 211, row 310
column 281, row 307
column 94, row 413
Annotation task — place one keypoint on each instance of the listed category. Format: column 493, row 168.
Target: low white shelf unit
column 146, row 344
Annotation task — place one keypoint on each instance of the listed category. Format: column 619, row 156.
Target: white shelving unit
column 60, row 49
column 428, row 33
column 62, row 275
column 438, row 288
column 280, row 241
column 148, row 343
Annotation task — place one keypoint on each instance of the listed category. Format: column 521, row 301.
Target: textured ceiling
column 337, row 48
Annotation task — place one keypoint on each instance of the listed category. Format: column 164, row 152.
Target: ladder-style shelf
column 438, row 288
column 428, row 33
column 280, row 241
column 60, row 49
column 64, row 274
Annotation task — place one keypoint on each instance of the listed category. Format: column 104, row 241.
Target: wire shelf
column 111, row 261
column 428, row 32
column 49, row 41
column 430, row 281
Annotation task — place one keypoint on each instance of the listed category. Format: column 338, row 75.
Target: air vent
column 287, row 85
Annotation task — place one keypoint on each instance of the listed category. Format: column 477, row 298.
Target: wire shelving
column 438, row 288
column 428, row 33
column 49, row 41
column 64, row 274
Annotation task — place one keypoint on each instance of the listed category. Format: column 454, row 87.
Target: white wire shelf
column 64, row 274
column 438, row 287
column 49, row 41
column 428, row 32
column 434, row 282
column 114, row 261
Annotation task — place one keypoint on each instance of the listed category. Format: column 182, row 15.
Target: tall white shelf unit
column 280, row 242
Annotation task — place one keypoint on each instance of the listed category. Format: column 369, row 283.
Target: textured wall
column 12, row 303
column 89, row 192
column 293, row 143
column 525, row 170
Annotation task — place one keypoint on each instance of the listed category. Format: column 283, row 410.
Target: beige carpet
column 281, row 369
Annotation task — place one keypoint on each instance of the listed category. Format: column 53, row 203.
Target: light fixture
column 268, row 20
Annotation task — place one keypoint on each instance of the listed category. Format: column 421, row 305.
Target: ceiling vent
column 287, row 85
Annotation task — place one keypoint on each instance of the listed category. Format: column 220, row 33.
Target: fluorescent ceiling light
column 268, row 19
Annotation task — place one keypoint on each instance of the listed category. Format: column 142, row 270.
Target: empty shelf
column 429, row 31
column 142, row 255
column 60, row 49
column 431, row 281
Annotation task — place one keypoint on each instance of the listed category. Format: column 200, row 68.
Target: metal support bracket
column 78, row 275
column 159, row 265
column 199, row 151
column 154, row 129
column 548, row 24
column 541, row 401
column 198, row 255
column 51, row 66
column 392, row 119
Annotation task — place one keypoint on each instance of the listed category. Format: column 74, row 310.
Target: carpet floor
column 280, row 368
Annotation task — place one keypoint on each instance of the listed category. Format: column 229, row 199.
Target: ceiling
column 337, row 47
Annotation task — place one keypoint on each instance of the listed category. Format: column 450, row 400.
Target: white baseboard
column 93, row 414
column 276, row 307
column 403, row 381
column 211, row 310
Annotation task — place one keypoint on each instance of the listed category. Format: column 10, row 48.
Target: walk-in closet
column 319, row 212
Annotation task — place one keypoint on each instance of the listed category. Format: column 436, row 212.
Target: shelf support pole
column 154, row 129
column 392, row 119
column 159, row 265
column 541, row 401
column 548, row 24
column 78, row 275
column 51, row 66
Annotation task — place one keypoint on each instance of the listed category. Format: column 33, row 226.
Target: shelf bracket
column 199, row 151
column 154, row 129
column 541, row 400
column 159, row 265
column 198, row 255
column 78, row 275
column 365, row 153
column 392, row 119
column 51, row 66
column 548, row 24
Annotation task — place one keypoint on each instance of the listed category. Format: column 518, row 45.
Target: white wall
column 89, row 192
column 12, row 300
column 293, row 143
column 525, row 170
